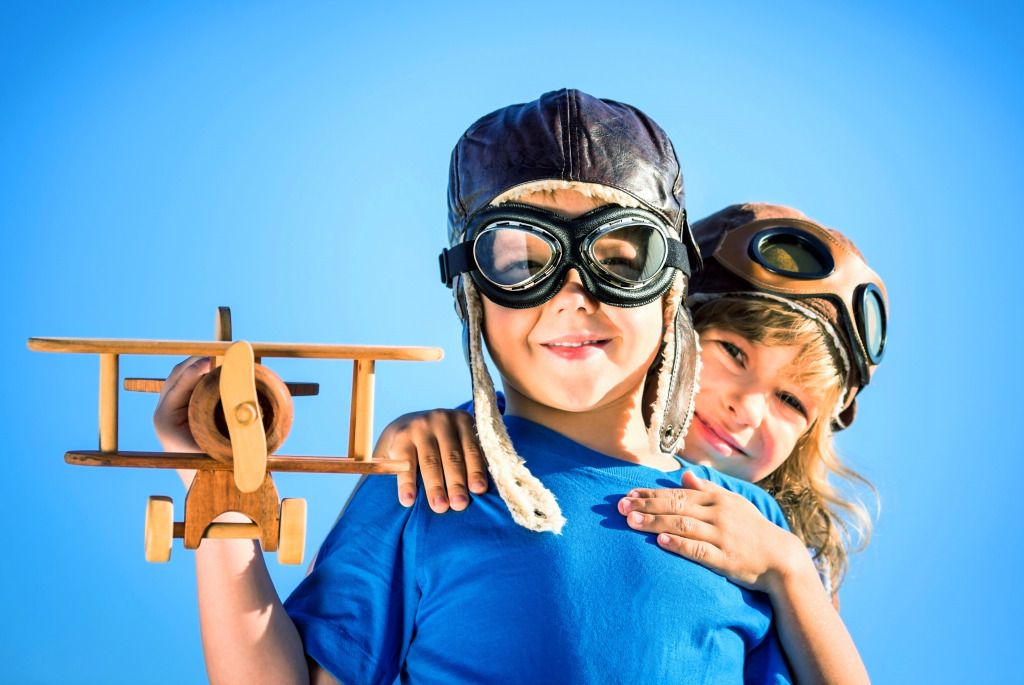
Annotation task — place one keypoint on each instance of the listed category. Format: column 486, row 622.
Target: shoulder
column 765, row 503
column 372, row 512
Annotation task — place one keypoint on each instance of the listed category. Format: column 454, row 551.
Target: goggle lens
column 872, row 317
column 788, row 252
column 629, row 255
column 514, row 257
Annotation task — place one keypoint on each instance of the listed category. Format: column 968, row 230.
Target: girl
column 792, row 324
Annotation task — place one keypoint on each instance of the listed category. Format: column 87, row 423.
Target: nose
column 573, row 296
column 749, row 407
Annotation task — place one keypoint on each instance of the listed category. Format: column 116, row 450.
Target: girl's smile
column 716, row 436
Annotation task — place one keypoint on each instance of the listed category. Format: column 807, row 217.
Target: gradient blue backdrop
column 290, row 159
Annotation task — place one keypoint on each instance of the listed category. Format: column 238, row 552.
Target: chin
column 573, row 400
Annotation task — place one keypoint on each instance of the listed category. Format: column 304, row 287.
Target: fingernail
column 478, row 486
column 633, row 493
column 627, row 504
column 459, row 499
column 636, row 517
column 407, row 498
column 440, row 501
column 663, row 540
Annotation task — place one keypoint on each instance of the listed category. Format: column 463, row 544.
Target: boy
column 569, row 257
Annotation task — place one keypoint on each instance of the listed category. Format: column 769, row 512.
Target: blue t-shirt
column 471, row 597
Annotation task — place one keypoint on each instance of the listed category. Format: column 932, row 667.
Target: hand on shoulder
column 721, row 530
column 441, row 445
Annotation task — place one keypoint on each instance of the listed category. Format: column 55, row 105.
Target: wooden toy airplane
column 239, row 414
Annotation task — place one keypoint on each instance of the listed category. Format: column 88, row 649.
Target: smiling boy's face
column 572, row 353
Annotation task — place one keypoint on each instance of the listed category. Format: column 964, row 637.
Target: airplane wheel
column 206, row 414
column 159, row 528
column 292, row 540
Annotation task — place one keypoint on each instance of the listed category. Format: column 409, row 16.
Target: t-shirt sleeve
column 355, row 609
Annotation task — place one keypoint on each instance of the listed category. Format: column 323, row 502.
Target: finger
column 431, row 471
column 386, row 449
column 694, row 482
column 476, row 464
column 683, row 526
column 453, row 464
column 170, row 418
column 182, row 380
column 669, row 501
column 705, row 554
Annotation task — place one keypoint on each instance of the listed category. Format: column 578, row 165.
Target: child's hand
column 170, row 418
column 719, row 530
column 442, row 444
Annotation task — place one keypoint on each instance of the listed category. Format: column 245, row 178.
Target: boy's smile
column 578, row 346
column 573, row 353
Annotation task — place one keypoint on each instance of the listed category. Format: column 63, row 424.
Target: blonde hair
column 833, row 522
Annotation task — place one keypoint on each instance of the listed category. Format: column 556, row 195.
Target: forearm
column 817, row 645
column 247, row 636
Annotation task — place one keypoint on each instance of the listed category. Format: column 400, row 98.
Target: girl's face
column 750, row 411
column 572, row 353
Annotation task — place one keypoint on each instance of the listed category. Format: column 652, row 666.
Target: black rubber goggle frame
column 571, row 235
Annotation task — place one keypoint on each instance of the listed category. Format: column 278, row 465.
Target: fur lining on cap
column 530, row 503
column 595, row 190
column 830, row 331
column 673, row 301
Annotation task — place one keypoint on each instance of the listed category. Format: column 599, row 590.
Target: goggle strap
column 456, row 260
column 677, row 256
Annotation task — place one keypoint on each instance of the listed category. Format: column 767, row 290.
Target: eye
column 792, row 402
column 527, row 266
column 619, row 258
column 733, row 351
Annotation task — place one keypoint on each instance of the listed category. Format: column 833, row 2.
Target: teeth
column 579, row 344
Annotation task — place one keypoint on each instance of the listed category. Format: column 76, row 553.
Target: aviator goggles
column 797, row 258
column 519, row 255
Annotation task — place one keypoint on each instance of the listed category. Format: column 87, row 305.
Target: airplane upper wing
column 210, row 348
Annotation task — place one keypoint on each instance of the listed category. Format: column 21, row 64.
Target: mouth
column 718, row 438
column 575, row 346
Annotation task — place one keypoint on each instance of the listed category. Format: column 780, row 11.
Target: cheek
column 643, row 326
column 784, row 442
column 505, row 330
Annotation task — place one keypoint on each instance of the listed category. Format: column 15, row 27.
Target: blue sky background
column 290, row 160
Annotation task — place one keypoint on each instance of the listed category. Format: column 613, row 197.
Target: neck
column 616, row 429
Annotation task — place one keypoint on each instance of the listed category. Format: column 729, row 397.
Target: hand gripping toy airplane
column 239, row 414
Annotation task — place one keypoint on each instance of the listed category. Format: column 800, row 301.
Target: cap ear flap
column 672, row 381
column 531, row 504
column 845, row 417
